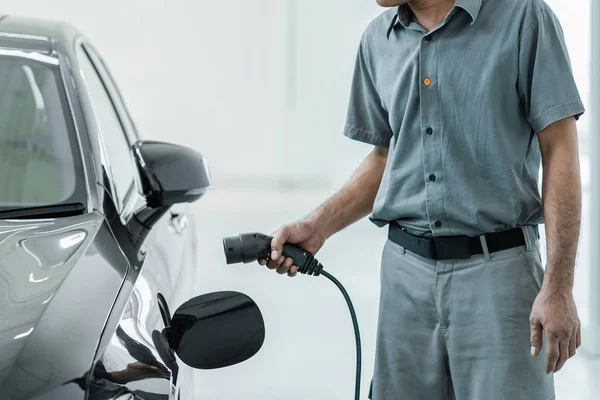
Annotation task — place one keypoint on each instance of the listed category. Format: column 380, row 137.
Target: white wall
column 327, row 40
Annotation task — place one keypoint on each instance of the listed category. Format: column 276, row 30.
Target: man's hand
column 353, row 202
column 304, row 233
column 554, row 311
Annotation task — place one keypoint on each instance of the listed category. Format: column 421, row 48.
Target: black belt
column 455, row 247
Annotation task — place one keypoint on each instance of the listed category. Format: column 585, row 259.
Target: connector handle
column 303, row 259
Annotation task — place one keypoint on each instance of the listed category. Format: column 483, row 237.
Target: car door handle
column 178, row 222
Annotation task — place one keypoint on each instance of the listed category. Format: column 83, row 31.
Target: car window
column 115, row 94
column 117, row 146
column 39, row 155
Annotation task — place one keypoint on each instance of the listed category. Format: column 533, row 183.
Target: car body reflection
column 130, row 369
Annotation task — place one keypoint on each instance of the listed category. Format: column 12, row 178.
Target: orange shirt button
column 427, row 81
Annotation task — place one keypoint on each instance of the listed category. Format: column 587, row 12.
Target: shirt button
column 432, row 177
column 428, row 38
column 429, row 130
column 427, row 81
column 438, row 224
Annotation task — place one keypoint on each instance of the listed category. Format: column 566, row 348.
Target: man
column 462, row 101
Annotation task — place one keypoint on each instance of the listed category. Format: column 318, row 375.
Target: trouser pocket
column 532, row 263
column 489, row 305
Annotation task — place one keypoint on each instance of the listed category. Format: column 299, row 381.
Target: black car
column 96, row 240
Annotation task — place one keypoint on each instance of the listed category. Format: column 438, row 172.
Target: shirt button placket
column 431, row 123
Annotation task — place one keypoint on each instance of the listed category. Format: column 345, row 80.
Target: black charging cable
column 356, row 331
column 250, row 247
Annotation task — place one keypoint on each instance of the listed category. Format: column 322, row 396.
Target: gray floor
column 309, row 347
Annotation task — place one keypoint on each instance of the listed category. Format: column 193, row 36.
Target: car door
column 172, row 239
column 136, row 350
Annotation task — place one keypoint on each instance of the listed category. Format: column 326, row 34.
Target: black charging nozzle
column 249, row 247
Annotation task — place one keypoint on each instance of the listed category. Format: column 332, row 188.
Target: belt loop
column 484, row 246
column 528, row 233
column 536, row 230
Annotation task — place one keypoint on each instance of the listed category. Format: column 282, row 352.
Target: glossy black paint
column 217, row 330
column 171, row 174
column 168, row 174
column 84, row 299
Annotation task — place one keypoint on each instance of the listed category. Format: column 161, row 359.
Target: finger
column 262, row 262
column 573, row 343
column 282, row 270
column 564, row 354
column 274, row 264
column 293, row 271
column 578, row 336
column 536, row 337
column 281, row 236
column 285, row 267
column 552, row 352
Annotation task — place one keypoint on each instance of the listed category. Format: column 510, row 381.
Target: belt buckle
column 452, row 247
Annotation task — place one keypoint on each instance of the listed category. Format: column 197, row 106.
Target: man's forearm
column 355, row 200
column 561, row 190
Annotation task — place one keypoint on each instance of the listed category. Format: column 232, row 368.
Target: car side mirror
column 170, row 174
column 217, row 330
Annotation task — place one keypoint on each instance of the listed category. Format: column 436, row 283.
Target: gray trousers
column 459, row 329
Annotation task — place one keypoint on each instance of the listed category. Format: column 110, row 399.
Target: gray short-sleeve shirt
column 459, row 108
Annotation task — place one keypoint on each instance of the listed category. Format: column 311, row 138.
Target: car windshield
column 39, row 161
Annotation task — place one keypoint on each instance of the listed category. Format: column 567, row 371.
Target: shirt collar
column 404, row 15
column 470, row 6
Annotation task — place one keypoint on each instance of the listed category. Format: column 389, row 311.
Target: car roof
column 32, row 34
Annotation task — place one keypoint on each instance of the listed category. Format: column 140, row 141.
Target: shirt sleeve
column 367, row 119
column 546, row 84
